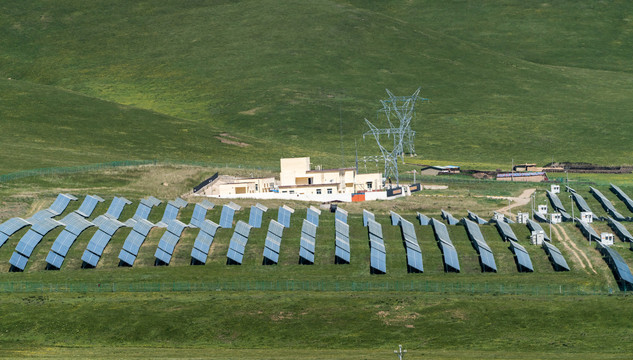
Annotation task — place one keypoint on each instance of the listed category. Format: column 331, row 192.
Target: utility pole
column 400, row 352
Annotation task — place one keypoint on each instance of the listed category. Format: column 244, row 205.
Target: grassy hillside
column 287, row 74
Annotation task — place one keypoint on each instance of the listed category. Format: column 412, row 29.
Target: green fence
column 292, row 285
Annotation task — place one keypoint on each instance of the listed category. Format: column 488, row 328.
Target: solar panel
column 226, row 217
column 143, row 227
column 374, row 228
column 90, row 258
column 88, row 205
column 394, row 217
column 3, row 238
column 234, row 257
column 408, row 230
column 441, row 233
column 200, row 212
column 424, row 220
column 98, row 242
column 76, row 224
column 487, row 259
column 203, row 242
column 451, row 261
column 55, row 260
column 558, row 205
column 341, row 229
column 617, row 264
column 270, row 256
column 343, row 244
column 127, row 258
column 305, row 256
column 414, row 261
column 255, row 217
column 180, row 203
column 313, row 215
column 116, row 206
column 473, row 230
column 168, row 242
column 199, row 256
column 378, row 262
column 309, row 229
column 28, row 242
column 13, row 225
column 283, row 216
column 534, row 226
column 18, row 260
column 524, row 263
column 622, row 196
column 162, row 256
column 619, row 229
column 110, row 226
column 340, row 214
column 506, row 231
column 580, row 201
column 133, row 242
column 606, row 204
column 558, row 261
column 63, row 242
column 238, row 243
column 587, row 230
column 44, row 226
column 474, row 217
column 540, row 217
column 61, row 203
column 367, row 216
column 449, row 218
column 341, row 256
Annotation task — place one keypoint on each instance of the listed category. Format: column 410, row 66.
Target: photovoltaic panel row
column 486, row 258
column 133, row 242
column 272, row 245
column 558, row 205
column 256, row 214
column 368, row 216
column 142, row 211
column 10, row 227
column 99, row 241
column 237, row 246
column 606, row 204
column 377, row 251
column 28, row 242
column 587, row 230
column 620, row 269
column 524, row 263
column 340, row 214
column 228, row 212
column 203, row 242
column 59, row 205
column 88, row 205
column 342, row 245
column 200, row 212
column 168, row 242
column 540, row 218
column 171, row 211
column 75, row 225
column 313, row 215
column 582, row 204
column 619, row 229
column 506, row 231
column 411, row 246
column 450, row 219
column 284, row 214
column 395, row 218
column 307, row 246
column 474, row 217
column 449, row 254
column 423, row 219
column 534, row 226
column 622, row 196
column 556, row 257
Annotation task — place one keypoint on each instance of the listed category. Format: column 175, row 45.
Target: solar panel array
column 133, row 242
column 237, row 246
column 622, row 196
column 558, row 261
column 226, row 217
column 423, row 219
column 255, row 217
column 411, row 246
column 340, row 214
column 619, row 229
column 307, row 244
column 524, row 263
column 10, row 227
column 171, row 211
column 26, row 245
column 368, row 216
column 168, row 242
column 272, row 245
column 377, row 251
column 203, row 242
column 143, row 210
column 534, row 226
column 395, row 218
column 606, row 204
column 506, row 231
column 283, row 217
column 582, row 204
column 474, row 217
column 450, row 219
column 486, row 258
column 451, row 261
column 342, row 252
column 587, row 230
column 313, row 214
column 75, row 225
column 200, row 212
column 558, row 205
column 617, row 264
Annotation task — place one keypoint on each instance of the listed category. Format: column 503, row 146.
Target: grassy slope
column 298, row 66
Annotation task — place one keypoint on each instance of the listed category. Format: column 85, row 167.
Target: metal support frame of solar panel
column 620, row 269
column 228, row 212
column 272, row 245
column 411, row 246
column 619, row 229
column 377, row 250
column 367, row 215
column 30, row 240
column 143, row 210
column 423, row 219
column 342, row 251
column 256, row 214
column 607, row 205
column 75, row 225
column 486, row 258
column 200, row 212
column 307, row 243
column 449, row 253
column 558, row 205
column 133, row 242
column 523, row 261
column 284, row 214
column 202, row 243
column 534, row 226
column 394, row 218
column 313, row 214
column 171, row 211
column 622, row 196
column 237, row 246
column 587, row 230
column 505, row 231
column 168, row 242
column 340, row 214
column 582, row 205
column 555, row 256
column 476, row 218
column 450, row 219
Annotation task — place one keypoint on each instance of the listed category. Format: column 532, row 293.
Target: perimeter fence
column 324, row 286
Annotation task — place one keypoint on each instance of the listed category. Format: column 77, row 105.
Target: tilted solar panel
column 378, row 262
column 12, row 225
column 198, row 255
column 341, row 255
column 283, row 216
column 449, row 218
column 127, row 258
column 98, row 242
column 19, row 261
column 556, row 257
column 374, row 228
column 176, row 227
column 272, row 256
column 313, row 214
column 540, row 217
column 587, row 230
column 619, row 229
column 506, row 231
column 133, row 242
column 28, row 242
column 309, row 229
column 88, row 205
column 143, row 227
column 487, row 259
column 116, row 206
column 306, row 255
column 440, row 230
column 367, row 216
column 63, row 242
column 395, row 218
column 43, row 226
column 61, row 203
column 255, row 217
column 273, row 244
column 308, row 244
column 163, row 256
column 340, row 214
column 55, row 260
column 534, row 226
column 341, row 229
column 451, row 261
column 414, row 261
column 276, row 228
column 622, row 196
column 226, row 217
column 203, row 242
column 343, row 244
column 424, row 220
column 523, row 258
column 90, row 258
column 474, row 217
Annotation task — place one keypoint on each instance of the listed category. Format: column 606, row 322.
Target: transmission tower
column 389, row 156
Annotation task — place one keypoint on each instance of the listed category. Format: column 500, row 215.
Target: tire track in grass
column 573, row 244
column 576, row 258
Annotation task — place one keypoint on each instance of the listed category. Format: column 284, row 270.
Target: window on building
column 329, row 191
column 369, row 183
column 292, row 191
column 256, row 187
column 284, row 192
column 318, row 191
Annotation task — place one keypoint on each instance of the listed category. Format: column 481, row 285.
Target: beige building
column 235, row 186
